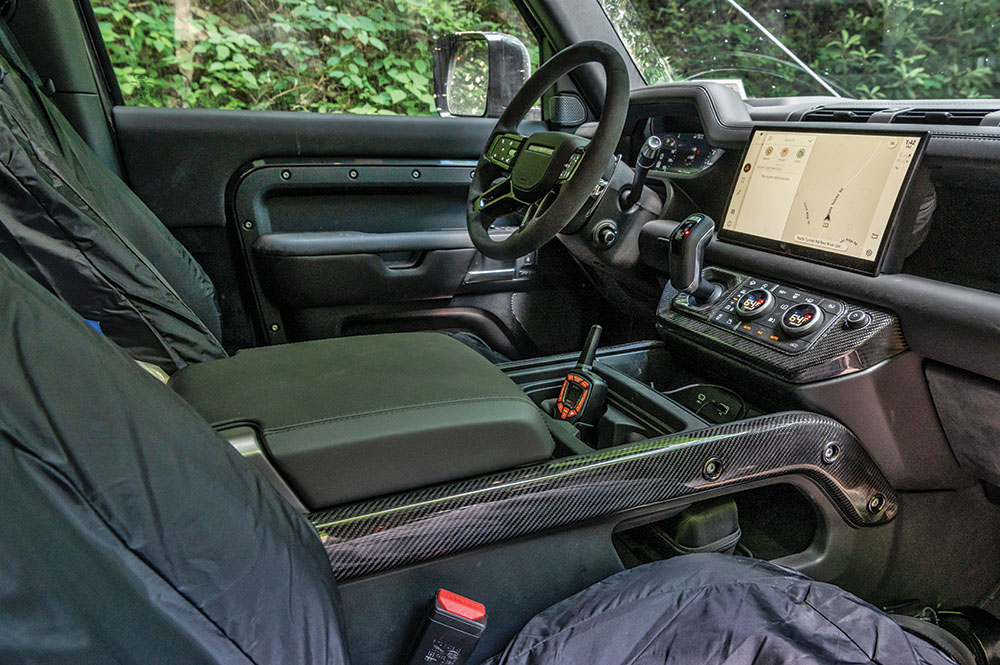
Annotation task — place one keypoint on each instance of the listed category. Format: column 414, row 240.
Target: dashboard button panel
column 836, row 349
column 779, row 316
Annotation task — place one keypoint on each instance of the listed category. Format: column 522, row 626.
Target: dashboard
column 936, row 288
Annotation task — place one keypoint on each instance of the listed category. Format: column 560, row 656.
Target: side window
column 355, row 56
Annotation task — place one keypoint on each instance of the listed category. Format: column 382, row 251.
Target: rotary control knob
column 801, row 320
column 754, row 304
column 857, row 319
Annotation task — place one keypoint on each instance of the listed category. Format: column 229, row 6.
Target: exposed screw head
column 275, row 327
column 712, row 469
column 353, row 173
column 286, row 174
column 831, row 451
column 248, row 224
column 472, row 174
column 876, row 503
column 415, row 174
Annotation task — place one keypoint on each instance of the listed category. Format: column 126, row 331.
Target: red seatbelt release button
column 460, row 606
column 450, row 632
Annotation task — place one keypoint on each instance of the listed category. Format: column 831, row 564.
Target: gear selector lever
column 687, row 255
column 581, row 398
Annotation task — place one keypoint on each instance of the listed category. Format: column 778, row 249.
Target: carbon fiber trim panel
column 836, row 353
column 382, row 534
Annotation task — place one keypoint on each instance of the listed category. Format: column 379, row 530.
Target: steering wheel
column 552, row 174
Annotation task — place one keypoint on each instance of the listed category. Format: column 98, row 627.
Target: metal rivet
column 415, row 174
column 353, row 173
column 275, row 327
column 876, row 503
column 712, row 469
column 472, row 174
column 831, row 452
column 286, row 174
column 248, row 224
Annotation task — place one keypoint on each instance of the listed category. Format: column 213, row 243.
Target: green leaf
column 395, row 94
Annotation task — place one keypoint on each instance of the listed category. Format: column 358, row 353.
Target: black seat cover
column 77, row 229
column 714, row 609
column 129, row 531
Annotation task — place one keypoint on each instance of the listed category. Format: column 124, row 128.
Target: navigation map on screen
column 831, row 192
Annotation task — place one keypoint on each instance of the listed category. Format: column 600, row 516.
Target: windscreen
column 834, row 193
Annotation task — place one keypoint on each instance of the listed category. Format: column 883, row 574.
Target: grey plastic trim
column 246, row 442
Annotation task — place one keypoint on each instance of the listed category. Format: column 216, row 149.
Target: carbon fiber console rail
column 382, row 534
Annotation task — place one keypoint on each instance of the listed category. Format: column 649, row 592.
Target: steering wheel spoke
column 498, row 200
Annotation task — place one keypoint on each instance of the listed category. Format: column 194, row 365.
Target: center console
column 793, row 334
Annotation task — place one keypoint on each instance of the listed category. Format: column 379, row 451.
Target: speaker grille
column 566, row 110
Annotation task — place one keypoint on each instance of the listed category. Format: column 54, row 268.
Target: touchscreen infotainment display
column 828, row 196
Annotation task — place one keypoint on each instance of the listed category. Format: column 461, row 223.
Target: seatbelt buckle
column 450, row 632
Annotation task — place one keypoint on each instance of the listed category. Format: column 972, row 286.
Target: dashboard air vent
column 840, row 114
column 919, row 116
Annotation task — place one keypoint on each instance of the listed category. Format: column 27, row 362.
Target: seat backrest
column 129, row 531
column 77, row 229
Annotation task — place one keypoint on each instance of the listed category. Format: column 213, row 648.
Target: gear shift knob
column 687, row 255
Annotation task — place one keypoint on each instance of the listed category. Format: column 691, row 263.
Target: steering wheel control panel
column 796, row 335
column 504, row 149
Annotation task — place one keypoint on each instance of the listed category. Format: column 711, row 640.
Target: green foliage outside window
column 864, row 48
column 356, row 56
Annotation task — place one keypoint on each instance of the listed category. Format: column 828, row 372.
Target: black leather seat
column 131, row 533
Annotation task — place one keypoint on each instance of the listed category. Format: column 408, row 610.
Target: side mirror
column 476, row 74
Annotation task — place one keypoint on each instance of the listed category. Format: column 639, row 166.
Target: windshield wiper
column 787, row 51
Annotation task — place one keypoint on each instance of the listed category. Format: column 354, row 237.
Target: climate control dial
column 754, row 304
column 801, row 319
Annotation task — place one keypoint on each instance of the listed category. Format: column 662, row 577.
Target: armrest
column 358, row 417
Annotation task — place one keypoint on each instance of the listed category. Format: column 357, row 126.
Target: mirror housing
column 476, row 74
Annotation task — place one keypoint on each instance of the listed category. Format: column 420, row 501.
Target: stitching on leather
column 410, row 407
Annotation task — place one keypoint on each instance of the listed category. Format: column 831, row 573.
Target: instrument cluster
column 684, row 154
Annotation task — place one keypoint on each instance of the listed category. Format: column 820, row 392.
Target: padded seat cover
column 357, row 417
column 77, row 229
column 129, row 531
column 714, row 609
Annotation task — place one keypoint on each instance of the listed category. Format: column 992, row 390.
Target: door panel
column 315, row 225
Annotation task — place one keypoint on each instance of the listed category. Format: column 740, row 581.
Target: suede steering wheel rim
column 551, row 172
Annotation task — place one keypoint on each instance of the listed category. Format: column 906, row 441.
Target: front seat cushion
column 713, row 609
